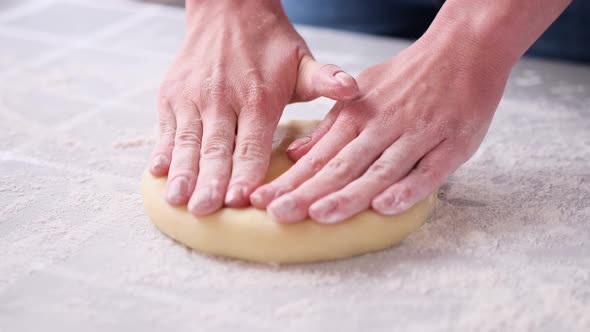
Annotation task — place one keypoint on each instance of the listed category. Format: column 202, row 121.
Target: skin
column 414, row 119
column 223, row 96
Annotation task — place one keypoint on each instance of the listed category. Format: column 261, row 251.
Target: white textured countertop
column 508, row 247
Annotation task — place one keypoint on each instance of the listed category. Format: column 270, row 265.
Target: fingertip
column 349, row 88
column 326, row 80
column 257, row 200
column 177, row 192
column 296, row 144
column 389, row 205
column 324, row 211
column 261, row 197
column 336, row 84
column 236, row 197
column 295, row 155
column 204, row 201
column 284, row 210
column 298, row 148
column 159, row 165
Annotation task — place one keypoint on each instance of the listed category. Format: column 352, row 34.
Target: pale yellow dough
column 251, row 235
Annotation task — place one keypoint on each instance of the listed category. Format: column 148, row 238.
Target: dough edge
column 249, row 234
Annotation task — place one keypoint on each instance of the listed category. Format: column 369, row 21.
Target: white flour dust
column 507, row 248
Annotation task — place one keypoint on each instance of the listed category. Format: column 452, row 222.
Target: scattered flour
column 528, row 78
column 507, row 248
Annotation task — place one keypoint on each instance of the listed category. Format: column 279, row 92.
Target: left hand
column 418, row 117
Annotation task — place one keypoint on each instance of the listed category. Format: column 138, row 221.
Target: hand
column 418, row 117
column 240, row 64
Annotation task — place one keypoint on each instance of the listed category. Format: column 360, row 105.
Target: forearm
column 246, row 20
column 504, row 29
column 224, row 5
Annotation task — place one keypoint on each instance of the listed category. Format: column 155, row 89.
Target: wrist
column 474, row 38
column 499, row 29
column 259, row 16
column 229, row 6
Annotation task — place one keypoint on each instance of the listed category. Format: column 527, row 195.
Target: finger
column 162, row 153
column 219, row 127
column 395, row 162
column 316, row 80
column 302, row 145
column 423, row 180
column 326, row 148
column 345, row 167
column 251, row 156
column 185, row 156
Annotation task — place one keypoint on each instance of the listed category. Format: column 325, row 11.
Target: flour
column 507, row 248
column 528, row 78
column 134, row 142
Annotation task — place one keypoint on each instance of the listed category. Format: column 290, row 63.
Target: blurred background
column 567, row 39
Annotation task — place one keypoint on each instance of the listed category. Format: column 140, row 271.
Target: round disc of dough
column 250, row 234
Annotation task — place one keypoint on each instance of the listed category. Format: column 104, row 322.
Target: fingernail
column 402, row 206
column 324, row 208
column 202, row 196
column 392, row 205
column 343, row 78
column 257, row 198
column 283, row 207
column 386, row 205
column 201, row 202
column 299, row 143
column 264, row 195
column 178, row 190
column 235, row 195
column 159, row 162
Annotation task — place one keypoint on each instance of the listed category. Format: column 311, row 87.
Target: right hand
column 241, row 63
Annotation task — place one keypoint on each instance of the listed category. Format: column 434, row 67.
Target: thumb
column 316, row 80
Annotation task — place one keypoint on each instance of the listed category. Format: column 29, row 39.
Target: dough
column 249, row 234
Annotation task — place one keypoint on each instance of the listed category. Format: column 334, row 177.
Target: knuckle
column 171, row 90
column 348, row 123
column 188, row 96
column 347, row 198
column 166, row 129
column 166, row 89
column 340, row 167
column 380, row 171
column 442, row 129
column 262, row 118
column 429, row 172
column 392, row 115
column 189, row 138
column 216, row 149
column 260, row 106
column 213, row 88
column 250, row 149
column 314, row 163
column 257, row 94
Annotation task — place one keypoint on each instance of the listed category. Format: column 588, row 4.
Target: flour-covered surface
column 507, row 249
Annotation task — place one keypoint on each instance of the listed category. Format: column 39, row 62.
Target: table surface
column 507, row 248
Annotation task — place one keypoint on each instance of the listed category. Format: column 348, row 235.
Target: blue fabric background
column 567, row 39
